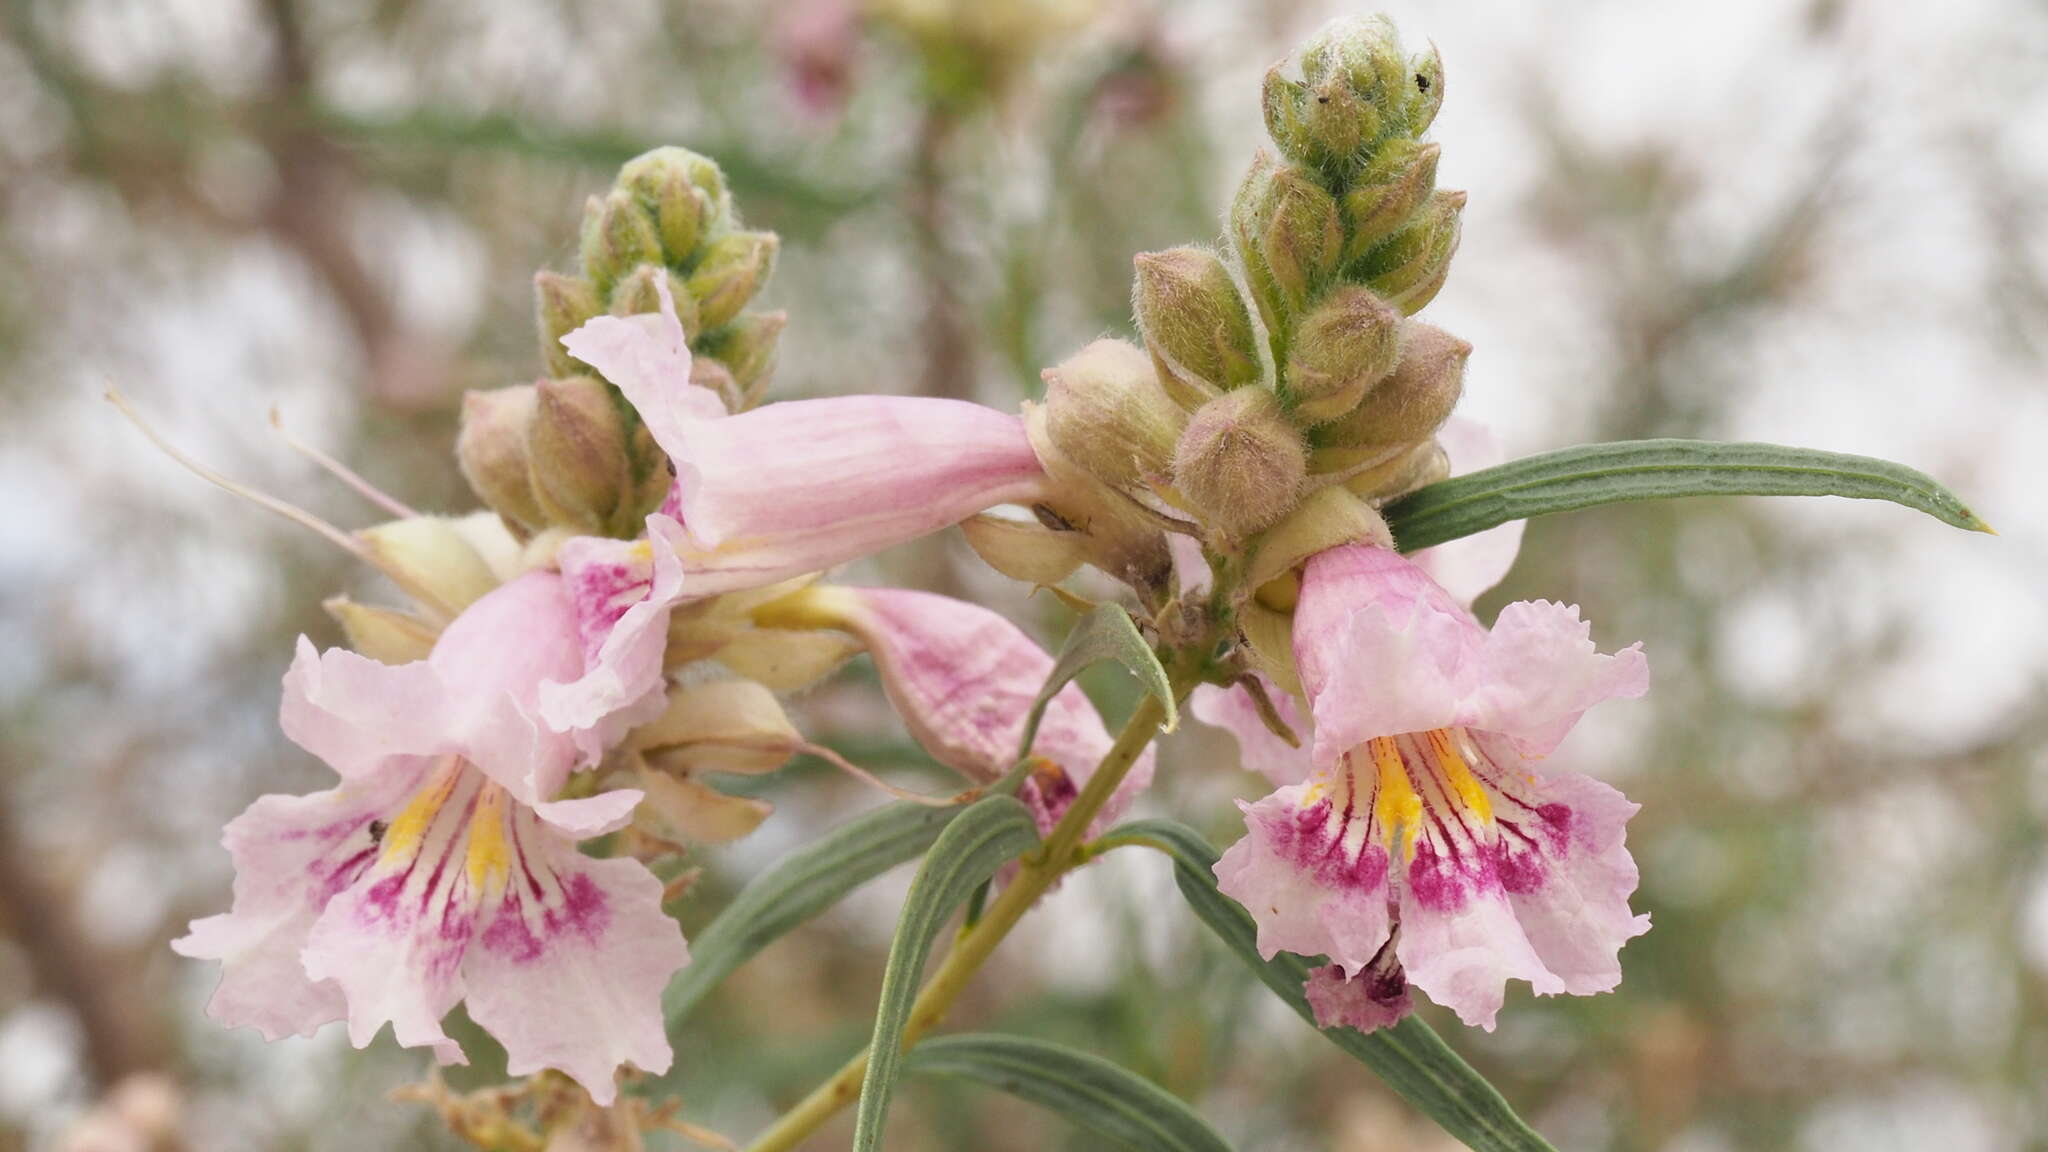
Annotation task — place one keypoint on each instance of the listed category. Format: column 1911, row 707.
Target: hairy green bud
column 684, row 192
column 735, row 266
column 576, row 453
column 1411, row 265
column 618, row 236
column 1240, row 463
column 1387, row 193
column 1426, row 77
column 1349, row 342
column 1406, row 407
column 1288, row 230
column 561, row 304
column 1193, row 319
column 1105, row 411
column 636, row 293
column 748, row 346
column 491, row 451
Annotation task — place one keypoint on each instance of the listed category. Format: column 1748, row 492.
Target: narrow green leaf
column 1107, row 633
column 798, row 887
column 1593, row 474
column 1410, row 1057
column 978, row 841
column 1094, row 1093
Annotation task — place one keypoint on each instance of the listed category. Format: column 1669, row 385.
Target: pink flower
column 803, row 485
column 441, row 869
column 1423, row 820
column 963, row 679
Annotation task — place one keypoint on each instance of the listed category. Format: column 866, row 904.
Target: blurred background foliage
column 1815, row 222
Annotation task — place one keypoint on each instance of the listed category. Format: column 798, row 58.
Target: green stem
column 1059, row 854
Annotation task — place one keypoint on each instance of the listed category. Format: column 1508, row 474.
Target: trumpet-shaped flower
column 441, row 869
column 963, row 678
column 1425, row 846
column 802, row 485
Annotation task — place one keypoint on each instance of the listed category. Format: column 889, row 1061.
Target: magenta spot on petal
column 1309, row 840
column 603, row 593
column 583, row 910
column 1447, row 884
column 1521, row 867
column 381, row 901
column 509, row 934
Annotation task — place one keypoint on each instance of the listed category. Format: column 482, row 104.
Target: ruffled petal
column 803, row 485
column 963, row 678
column 355, row 713
column 1375, row 998
column 569, row 972
column 1539, row 672
column 588, row 816
column 623, row 593
column 292, row 855
column 648, row 357
column 1383, row 650
column 1259, row 747
column 1565, row 867
column 1470, row 565
column 1460, row 941
column 1313, row 874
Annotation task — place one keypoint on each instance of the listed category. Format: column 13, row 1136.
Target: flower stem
column 1040, row 868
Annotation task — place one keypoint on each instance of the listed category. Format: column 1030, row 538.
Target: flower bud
column 1193, row 318
column 1388, row 192
column 561, row 304
column 1240, row 464
column 711, row 374
column 736, row 265
column 1402, row 409
column 652, row 479
column 1426, row 76
column 491, row 451
column 1348, row 344
column 383, row 634
column 636, row 294
column 747, row 346
column 667, row 181
column 1106, row 412
column 576, row 452
column 1287, row 227
column 1285, row 103
column 618, row 236
column 1410, row 267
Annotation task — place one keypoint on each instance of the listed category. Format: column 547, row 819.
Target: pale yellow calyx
column 385, row 635
column 1327, row 518
column 1026, row 550
column 785, row 661
column 719, row 726
column 430, row 560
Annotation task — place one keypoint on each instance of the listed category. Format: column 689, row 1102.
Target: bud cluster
column 568, row 452
column 1289, row 362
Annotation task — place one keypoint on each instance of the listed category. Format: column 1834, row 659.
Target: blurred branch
column 119, row 1040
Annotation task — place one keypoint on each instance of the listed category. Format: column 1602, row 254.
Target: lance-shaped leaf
column 977, row 842
column 1106, row 633
column 1094, row 1093
column 798, row 887
column 1594, row 474
column 1410, row 1057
